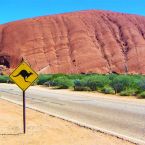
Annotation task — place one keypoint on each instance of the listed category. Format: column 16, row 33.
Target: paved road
column 113, row 115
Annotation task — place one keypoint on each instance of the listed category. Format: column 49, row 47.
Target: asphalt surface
column 121, row 117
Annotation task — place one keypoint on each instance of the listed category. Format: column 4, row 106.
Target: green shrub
column 62, row 82
column 5, row 79
column 80, row 85
column 112, row 76
column 121, row 83
column 142, row 95
column 54, row 76
column 96, row 82
column 92, row 83
column 76, row 76
column 129, row 92
column 85, row 85
column 43, row 78
column 108, row 90
column 141, row 85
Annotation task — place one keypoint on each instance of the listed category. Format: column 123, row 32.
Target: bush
column 96, row 82
column 62, row 82
column 141, row 85
column 80, row 85
column 43, row 78
column 121, row 83
column 4, row 79
column 76, row 76
column 112, row 76
column 142, row 95
column 108, row 90
column 129, row 92
column 54, row 76
column 91, row 83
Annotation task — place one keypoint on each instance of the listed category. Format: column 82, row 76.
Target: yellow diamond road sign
column 23, row 76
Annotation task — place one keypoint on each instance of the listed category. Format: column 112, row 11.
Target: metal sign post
column 24, row 113
column 23, row 76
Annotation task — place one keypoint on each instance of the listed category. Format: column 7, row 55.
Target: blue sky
column 11, row 10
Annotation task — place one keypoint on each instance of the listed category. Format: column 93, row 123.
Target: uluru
column 79, row 42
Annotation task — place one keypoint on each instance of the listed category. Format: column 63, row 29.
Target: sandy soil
column 46, row 130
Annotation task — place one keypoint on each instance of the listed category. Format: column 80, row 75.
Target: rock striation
column 80, row 42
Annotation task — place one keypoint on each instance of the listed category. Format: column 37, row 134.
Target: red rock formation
column 80, row 42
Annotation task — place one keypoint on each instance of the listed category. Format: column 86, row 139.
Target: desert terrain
column 43, row 130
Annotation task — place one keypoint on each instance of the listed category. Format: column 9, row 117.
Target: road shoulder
column 43, row 129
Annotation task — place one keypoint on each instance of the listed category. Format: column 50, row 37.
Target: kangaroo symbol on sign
column 24, row 74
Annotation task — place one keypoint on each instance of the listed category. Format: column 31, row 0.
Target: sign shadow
column 11, row 134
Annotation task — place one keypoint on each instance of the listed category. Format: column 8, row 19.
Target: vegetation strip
column 124, row 85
